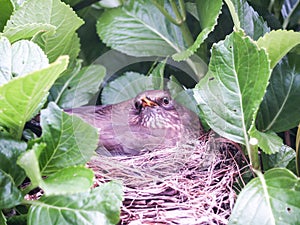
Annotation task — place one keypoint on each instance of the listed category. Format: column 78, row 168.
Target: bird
column 152, row 120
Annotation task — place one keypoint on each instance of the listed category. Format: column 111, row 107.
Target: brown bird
column 149, row 121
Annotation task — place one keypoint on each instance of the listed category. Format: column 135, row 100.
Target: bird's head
column 156, row 109
column 153, row 99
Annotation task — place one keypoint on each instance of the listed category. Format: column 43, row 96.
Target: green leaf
column 76, row 88
column 269, row 141
column 5, row 60
column 272, row 198
column 232, row 90
column 280, row 159
column 278, row 43
column 29, row 161
column 7, row 8
column 56, row 16
column 65, row 135
column 288, row 8
column 249, row 20
column 27, row 31
column 10, row 150
column 68, row 180
column 279, row 110
column 208, row 12
column 2, row 219
column 157, row 75
column 174, row 86
column 22, row 58
column 99, row 206
column 134, row 29
column 298, row 151
column 10, row 195
column 22, row 97
column 27, row 57
column 116, row 91
column 186, row 98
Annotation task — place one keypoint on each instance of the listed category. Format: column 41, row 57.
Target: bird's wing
column 97, row 116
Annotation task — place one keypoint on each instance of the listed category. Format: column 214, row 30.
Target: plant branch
column 253, row 154
column 298, row 151
column 165, row 13
column 287, row 19
column 180, row 19
column 176, row 12
column 233, row 14
column 182, row 9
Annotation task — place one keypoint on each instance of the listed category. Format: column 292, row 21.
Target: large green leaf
column 75, row 88
column 272, row 198
column 99, row 206
column 278, row 43
column 22, row 97
column 22, row 58
column 27, row 31
column 5, row 60
column 29, row 162
column 10, row 150
column 27, row 57
column 35, row 15
column 10, row 195
column 269, row 141
column 248, row 19
column 134, row 29
column 279, row 110
column 208, row 13
column 230, row 94
column 70, row 141
column 280, row 159
column 7, row 8
column 2, row 219
column 126, row 87
column 68, row 180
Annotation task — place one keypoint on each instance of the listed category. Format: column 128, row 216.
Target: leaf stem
column 19, row 132
column 165, row 13
column 176, row 12
column 182, row 10
column 234, row 15
column 188, row 38
column 271, row 5
column 180, row 19
column 287, row 19
column 253, row 154
column 298, row 151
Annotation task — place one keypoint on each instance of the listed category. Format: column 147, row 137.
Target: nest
column 193, row 183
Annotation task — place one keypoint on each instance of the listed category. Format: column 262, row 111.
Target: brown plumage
column 149, row 121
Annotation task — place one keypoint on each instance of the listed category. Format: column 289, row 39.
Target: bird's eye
column 137, row 105
column 166, row 100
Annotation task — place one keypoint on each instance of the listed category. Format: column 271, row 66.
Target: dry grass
column 190, row 184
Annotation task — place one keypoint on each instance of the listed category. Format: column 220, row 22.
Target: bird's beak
column 147, row 102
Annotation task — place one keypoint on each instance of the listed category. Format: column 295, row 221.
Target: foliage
column 235, row 62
